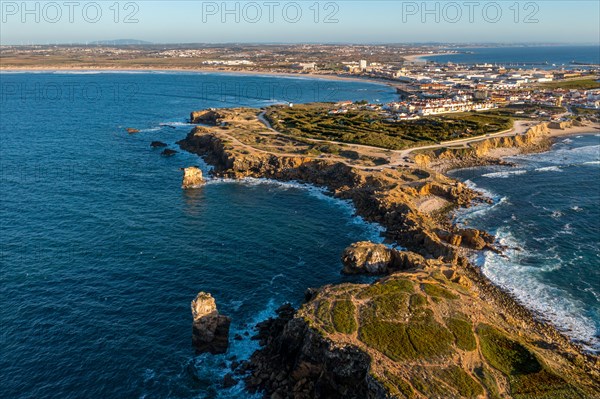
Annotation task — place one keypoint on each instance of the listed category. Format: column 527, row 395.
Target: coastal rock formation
column 436, row 327
column 209, row 117
column 192, row 177
column 168, row 152
column 415, row 334
column 131, row 130
column 535, row 139
column 385, row 197
column 210, row 330
column 370, row 258
column 297, row 362
column 157, row 144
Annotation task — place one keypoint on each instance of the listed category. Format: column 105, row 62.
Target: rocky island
column 433, row 326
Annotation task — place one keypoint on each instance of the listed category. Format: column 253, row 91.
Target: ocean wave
column 527, row 285
column 504, row 174
column 591, row 163
column 549, row 169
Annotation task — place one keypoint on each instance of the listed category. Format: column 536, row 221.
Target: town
column 424, row 87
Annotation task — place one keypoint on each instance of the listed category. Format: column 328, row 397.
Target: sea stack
column 210, row 330
column 192, row 177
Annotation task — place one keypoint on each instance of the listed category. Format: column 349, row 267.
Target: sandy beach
column 241, row 72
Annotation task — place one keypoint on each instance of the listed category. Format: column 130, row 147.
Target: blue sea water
column 102, row 252
column 546, row 211
column 523, row 56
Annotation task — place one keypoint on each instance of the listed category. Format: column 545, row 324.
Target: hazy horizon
column 301, row 22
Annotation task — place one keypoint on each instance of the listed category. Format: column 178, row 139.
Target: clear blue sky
column 368, row 21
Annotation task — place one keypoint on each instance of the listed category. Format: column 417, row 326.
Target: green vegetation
column 388, row 287
column 388, row 338
column 391, row 306
column 586, row 111
column 506, row 355
column 528, row 378
column 430, row 339
column 435, row 290
column 463, row 333
column 362, row 126
column 417, row 300
column 577, row 84
column 458, row 379
column 430, row 387
column 324, row 315
column 343, row 316
column 398, row 386
column 488, row 381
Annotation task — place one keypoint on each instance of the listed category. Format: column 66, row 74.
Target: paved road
column 398, row 156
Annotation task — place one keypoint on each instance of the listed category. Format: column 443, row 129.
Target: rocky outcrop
column 415, row 334
column 210, row 330
column 297, row 362
column 478, row 153
column 369, row 258
column 168, row 152
column 192, row 177
column 208, row 117
column 157, row 144
column 377, row 196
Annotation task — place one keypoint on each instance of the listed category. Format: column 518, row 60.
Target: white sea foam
column 526, row 283
column 504, row 174
column 549, row 169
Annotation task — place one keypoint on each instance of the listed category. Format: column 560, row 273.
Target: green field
column 370, row 127
column 579, row 84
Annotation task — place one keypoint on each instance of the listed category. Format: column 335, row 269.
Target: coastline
column 299, row 75
column 376, row 202
column 422, row 57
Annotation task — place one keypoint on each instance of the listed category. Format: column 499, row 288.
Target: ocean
column 541, row 57
column 546, row 213
column 102, row 251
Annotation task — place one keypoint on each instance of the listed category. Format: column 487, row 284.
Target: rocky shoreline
column 300, row 361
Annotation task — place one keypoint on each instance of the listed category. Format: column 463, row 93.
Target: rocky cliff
column 426, row 333
column 479, row 153
column 384, row 196
column 436, row 328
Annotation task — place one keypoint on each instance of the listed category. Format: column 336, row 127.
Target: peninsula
column 433, row 325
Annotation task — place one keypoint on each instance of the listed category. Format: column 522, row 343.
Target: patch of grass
column 398, row 386
column 463, row 333
column 324, row 315
column 392, row 306
column 430, row 387
column 434, row 290
column 488, row 381
column 343, row 316
column 417, row 300
column 388, row 287
column 541, row 385
column 460, row 380
column 388, row 338
column 528, row 378
column 504, row 354
column 362, row 126
column 430, row 339
column 578, row 84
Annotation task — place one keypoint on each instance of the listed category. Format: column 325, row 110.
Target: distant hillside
column 120, row 42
